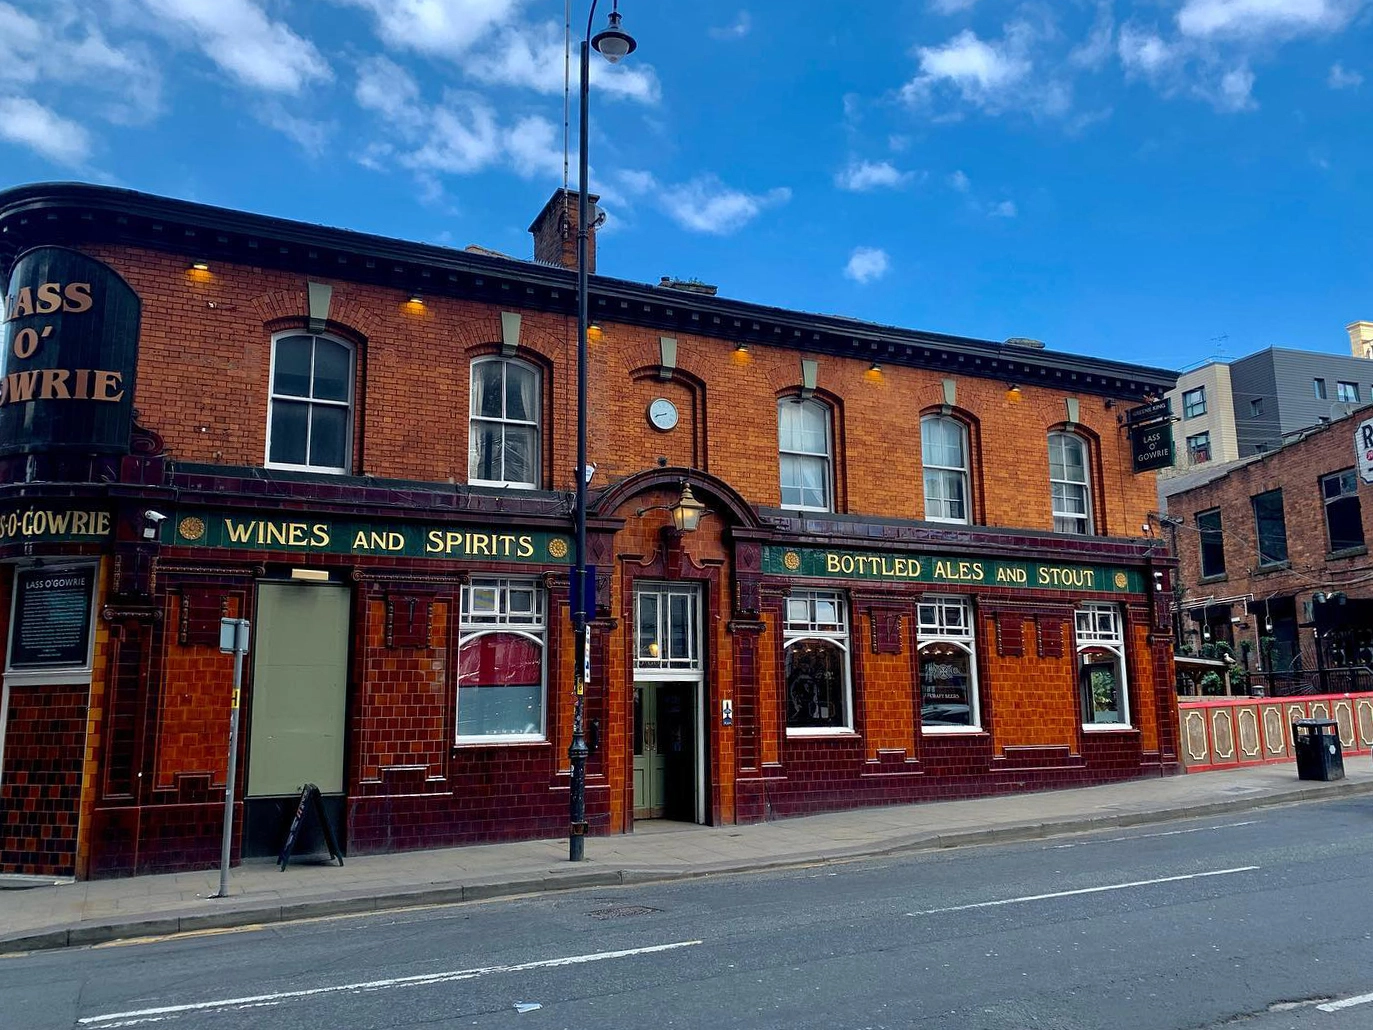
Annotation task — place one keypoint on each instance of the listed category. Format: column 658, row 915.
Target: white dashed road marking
column 1086, row 890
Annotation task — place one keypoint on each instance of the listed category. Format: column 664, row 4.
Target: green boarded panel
column 300, row 687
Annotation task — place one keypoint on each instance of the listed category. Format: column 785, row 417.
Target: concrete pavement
column 66, row 914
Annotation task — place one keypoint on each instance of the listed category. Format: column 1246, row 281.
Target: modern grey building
column 1232, row 410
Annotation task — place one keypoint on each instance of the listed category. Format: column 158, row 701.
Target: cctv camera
column 155, row 517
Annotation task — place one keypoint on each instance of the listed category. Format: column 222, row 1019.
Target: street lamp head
column 613, row 43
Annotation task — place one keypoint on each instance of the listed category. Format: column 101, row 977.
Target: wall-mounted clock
column 662, row 414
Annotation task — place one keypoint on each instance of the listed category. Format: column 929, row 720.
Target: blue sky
column 1151, row 181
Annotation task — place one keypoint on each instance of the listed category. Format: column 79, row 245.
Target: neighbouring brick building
column 1273, row 560
column 921, row 574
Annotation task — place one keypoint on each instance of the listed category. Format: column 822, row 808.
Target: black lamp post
column 612, row 44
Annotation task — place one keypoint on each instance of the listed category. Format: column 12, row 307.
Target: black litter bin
column 1317, row 746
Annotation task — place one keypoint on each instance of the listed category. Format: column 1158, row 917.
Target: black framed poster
column 51, row 624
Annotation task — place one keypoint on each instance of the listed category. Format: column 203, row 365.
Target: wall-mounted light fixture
column 200, row 266
column 741, row 346
column 594, row 332
column 415, row 298
column 876, row 366
column 1013, row 392
column 686, row 513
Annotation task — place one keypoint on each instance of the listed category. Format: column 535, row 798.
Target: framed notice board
column 51, row 621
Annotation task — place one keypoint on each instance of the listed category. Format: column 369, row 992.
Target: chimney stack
column 1360, row 339
column 555, row 232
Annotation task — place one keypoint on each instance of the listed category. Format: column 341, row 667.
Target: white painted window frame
column 826, row 458
column 273, row 397
column 533, row 626
column 939, row 632
column 962, row 472
column 794, row 631
column 536, row 423
column 1088, row 635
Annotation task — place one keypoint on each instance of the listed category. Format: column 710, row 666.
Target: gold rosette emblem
column 1121, row 581
column 557, row 547
column 191, row 528
column 792, row 561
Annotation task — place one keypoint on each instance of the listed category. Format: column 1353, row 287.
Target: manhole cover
column 621, row 911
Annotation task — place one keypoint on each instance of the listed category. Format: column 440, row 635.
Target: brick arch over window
column 721, row 498
column 972, row 428
column 1095, row 478
column 543, row 367
column 354, row 336
column 839, row 502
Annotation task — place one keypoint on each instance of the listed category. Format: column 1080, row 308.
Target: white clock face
column 662, row 414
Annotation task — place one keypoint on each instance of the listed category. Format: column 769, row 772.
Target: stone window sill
column 1219, row 577
column 1264, row 570
column 1347, row 552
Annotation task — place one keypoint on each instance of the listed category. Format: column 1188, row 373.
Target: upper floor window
column 504, row 428
column 1256, row 407
column 948, row 663
column 1343, row 513
column 1072, row 505
column 815, row 640
column 1102, row 688
column 1212, row 543
column 944, row 447
column 1270, row 527
column 310, row 410
column 803, row 433
column 501, row 662
column 1194, row 402
column 1318, row 385
column 1347, row 393
column 1199, row 448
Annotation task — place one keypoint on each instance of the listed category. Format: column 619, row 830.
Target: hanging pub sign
column 51, row 626
column 70, row 348
column 1151, row 446
column 1363, row 449
column 1151, row 435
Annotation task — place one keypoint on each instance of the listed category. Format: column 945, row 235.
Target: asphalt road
column 1258, row 922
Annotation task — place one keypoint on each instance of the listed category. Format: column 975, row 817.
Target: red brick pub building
column 921, row 574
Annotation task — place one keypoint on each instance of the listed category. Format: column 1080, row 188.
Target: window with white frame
column 1347, row 393
column 504, row 427
column 815, row 639
column 803, row 435
column 1102, row 688
column 948, row 664
column 944, row 449
column 501, row 660
column 667, row 631
column 310, row 409
column 1072, row 501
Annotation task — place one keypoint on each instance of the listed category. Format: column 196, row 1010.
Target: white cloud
column 532, row 57
column 862, row 176
column 1095, row 50
column 387, row 88
column 310, row 135
column 959, row 182
column 41, row 129
column 238, row 36
column 951, row 6
column 978, row 70
column 442, row 28
column 1209, row 19
column 1144, row 52
column 705, row 204
column 67, row 48
column 1005, row 209
column 461, row 136
column 1343, row 78
column 1235, row 92
column 535, row 148
column 737, row 29
column 866, row 264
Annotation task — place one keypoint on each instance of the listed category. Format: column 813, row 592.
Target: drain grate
column 621, row 911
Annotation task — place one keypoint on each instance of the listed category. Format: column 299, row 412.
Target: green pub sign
column 952, row 572
column 310, row 534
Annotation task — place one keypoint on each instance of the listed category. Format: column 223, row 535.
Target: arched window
column 944, row 448
column 310, row 408
column 1068, row 483
column 504, row 447
column 501, row 661
column 815, row 640
column 803, row 432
